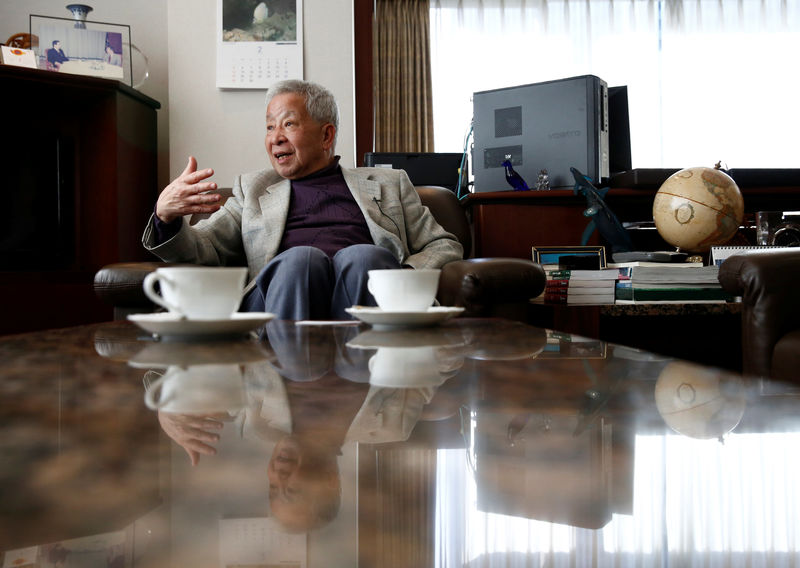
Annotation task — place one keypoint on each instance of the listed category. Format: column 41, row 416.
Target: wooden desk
column 509, row 223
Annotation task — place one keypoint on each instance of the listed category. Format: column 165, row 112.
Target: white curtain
column 708, row 80
column 695, row 503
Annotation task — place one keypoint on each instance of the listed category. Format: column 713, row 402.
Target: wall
column 223, row 129
column 148, row 22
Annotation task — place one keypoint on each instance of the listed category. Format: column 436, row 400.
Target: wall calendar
column 259, row 42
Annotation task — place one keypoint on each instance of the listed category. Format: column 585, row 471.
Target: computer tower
column 553, row 126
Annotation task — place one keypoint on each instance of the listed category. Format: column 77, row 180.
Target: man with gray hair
column 307, row 229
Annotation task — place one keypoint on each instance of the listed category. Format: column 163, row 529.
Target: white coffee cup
column 197, row 389
column 404, row 290
column 197, row 292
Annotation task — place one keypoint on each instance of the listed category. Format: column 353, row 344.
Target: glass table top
column 471, row 443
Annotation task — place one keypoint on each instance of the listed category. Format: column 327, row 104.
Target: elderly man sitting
column 308, row 229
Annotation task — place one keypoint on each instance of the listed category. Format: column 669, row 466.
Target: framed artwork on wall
column 95, row 49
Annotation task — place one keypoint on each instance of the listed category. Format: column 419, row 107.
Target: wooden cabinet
column 79, row 159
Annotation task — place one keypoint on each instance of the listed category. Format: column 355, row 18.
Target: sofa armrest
column 483, row 286
column 120, row 285
column 768, row 283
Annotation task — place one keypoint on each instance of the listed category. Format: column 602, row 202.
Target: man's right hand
column 193, row 432
column 186, row 195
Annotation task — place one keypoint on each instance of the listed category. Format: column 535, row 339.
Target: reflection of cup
column 201, row 292
column 404, row 290
column 198, row 389
column 405, row 367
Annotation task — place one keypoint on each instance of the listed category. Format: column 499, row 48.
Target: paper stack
column 667, row 284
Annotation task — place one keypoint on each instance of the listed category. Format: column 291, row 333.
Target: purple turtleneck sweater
column 322, row 214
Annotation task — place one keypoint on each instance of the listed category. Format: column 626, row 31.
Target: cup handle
column 369, row 287
column 150, row 291
column 150, row 396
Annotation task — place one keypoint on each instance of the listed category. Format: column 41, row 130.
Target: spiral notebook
column 720, row 253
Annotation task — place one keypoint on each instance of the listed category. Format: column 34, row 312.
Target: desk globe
column 697, row 208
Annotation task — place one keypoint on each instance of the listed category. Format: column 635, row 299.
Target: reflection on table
column 474, row 443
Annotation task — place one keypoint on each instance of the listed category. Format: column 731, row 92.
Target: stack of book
column 580, row 286
column 669, row 283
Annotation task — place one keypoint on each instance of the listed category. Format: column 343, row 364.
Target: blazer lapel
column 274, row 204
column 362, row 188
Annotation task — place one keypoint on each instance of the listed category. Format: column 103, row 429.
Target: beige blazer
column 248, row 229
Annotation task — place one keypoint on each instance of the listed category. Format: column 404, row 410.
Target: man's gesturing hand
column 186, row 194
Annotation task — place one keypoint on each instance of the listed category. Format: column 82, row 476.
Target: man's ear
column 328, row 136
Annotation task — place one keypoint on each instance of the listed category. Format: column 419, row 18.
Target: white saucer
column 168, row 325
column 381, row 319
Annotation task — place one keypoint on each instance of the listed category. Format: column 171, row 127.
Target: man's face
column 301, row 484
column 57, row 45
column 297, row 145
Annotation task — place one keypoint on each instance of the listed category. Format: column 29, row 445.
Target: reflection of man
column 300, row 401
column 308, row 230
column 112, row 57
column 56, row 56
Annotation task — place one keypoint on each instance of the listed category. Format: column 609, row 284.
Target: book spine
column 559, row 274
column 585, row 290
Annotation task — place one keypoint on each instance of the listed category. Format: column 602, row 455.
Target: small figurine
column 513, row 178
column 543, row 181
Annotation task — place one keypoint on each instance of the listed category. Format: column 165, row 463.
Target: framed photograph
column 554, row 255
column 96, row 49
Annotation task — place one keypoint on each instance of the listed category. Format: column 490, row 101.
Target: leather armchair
column 485, row 287
column 767, row 282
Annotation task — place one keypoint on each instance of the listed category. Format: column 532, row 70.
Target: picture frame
column 551, row 255
column 96, row 49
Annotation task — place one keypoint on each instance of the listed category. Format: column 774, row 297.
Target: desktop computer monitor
column 423, row 168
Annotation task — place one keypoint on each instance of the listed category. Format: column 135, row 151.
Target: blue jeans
column 304, row 283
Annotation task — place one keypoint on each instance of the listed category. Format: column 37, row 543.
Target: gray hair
column 320, row 102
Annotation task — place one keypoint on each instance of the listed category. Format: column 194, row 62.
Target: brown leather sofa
column 485, row 287
column 769, row 285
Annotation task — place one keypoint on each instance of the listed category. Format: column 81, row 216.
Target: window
column 707, row 80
